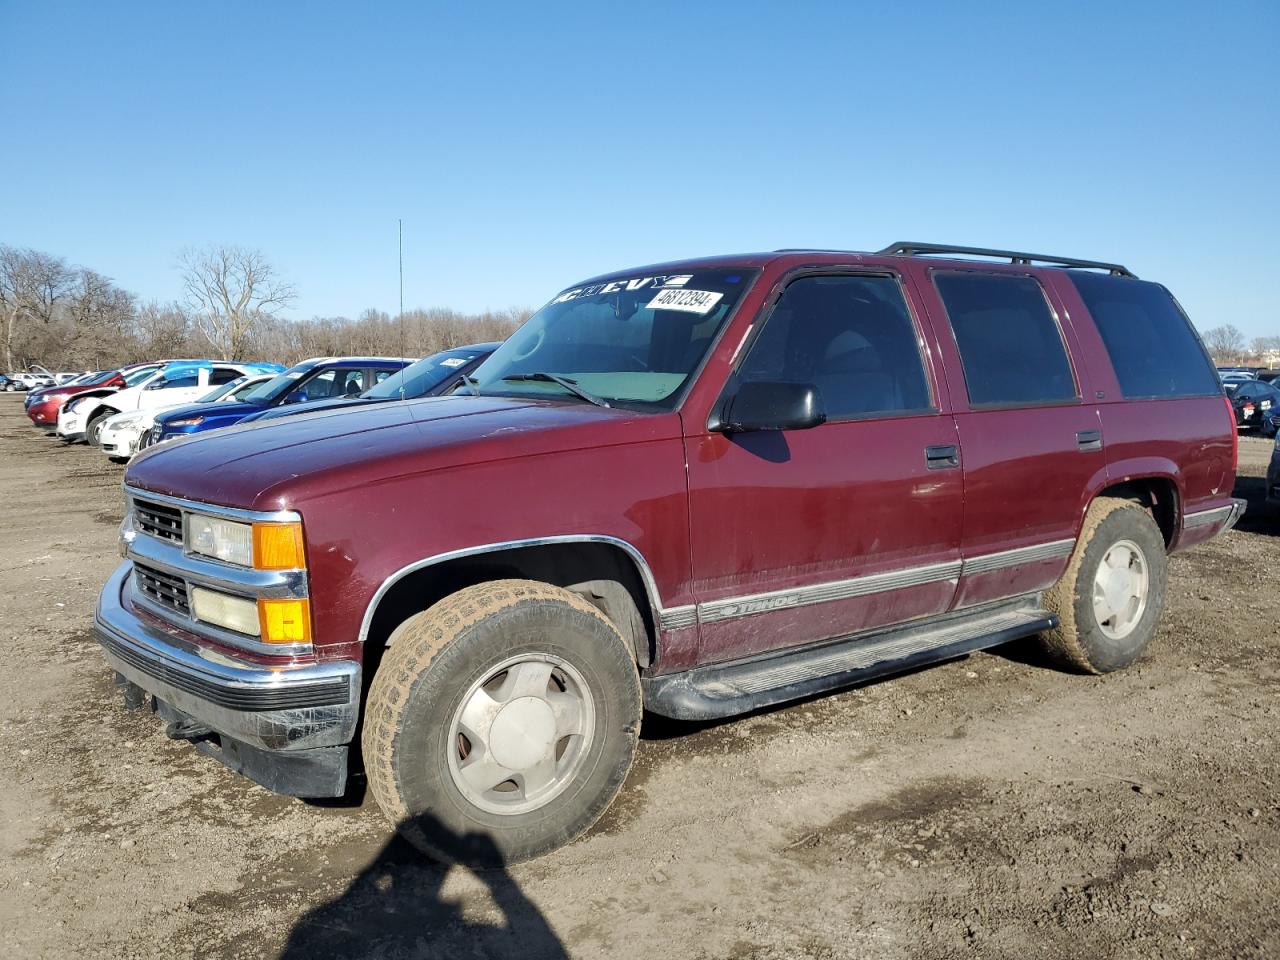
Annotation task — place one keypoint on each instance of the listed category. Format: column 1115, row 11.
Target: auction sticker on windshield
column 690, row 301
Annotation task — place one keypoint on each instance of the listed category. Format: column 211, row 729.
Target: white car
column 173, row 383
column 31, row 381
column 121, row 433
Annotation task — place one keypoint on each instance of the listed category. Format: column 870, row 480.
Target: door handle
column 1089, row 439
column 942, row 457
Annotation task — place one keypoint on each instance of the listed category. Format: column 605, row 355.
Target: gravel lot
column 990, row 807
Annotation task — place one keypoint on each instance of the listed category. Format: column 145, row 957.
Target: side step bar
column 726, row 689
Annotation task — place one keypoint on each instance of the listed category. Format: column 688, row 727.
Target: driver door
column 805, row 535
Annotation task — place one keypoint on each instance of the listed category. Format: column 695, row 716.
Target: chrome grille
column 158, row 520
column 162, row 588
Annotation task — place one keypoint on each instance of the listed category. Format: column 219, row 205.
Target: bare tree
column 31, row 286
column 1260, row 345
column 1225, row 343
column 231, row 290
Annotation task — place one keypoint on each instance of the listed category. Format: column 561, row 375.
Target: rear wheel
column 1110, row 598
column 501, row 722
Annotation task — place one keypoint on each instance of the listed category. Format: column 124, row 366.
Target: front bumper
column 71, row 426
column 122, row 442
column 279, row 709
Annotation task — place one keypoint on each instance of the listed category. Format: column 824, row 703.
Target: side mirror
column 774, row 406
column 295, row 396
column 157, row 384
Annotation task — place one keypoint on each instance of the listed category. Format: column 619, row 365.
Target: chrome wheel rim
column 520, row 734
column 1121, row 585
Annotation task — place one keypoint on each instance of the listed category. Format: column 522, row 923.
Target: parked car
column 42, row 405
column 697, row 489
column 174, row 382
column 1273, row 473
column 429, row 377
column 315, row 379
column 5, row 383
column 28, row 381
column 1268, row 376
column 1252, row 401
column 121, row 435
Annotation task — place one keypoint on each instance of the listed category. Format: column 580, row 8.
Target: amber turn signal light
column 285, row 621
column 278, row 546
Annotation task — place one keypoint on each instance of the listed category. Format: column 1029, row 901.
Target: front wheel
column 1110, row 598
column 93, row 430
column 501, row 722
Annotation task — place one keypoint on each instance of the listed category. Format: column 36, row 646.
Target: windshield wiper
column 569, row 384
column 469, row 381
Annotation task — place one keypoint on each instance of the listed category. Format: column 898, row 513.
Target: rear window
column 1009, row 341
column 1152, row 347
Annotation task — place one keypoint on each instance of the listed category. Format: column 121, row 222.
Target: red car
column 697, row 488
column 42, row 405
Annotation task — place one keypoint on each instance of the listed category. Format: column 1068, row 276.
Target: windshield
column 135, row 377
column 220, row 391
column 635, row 340
column 418, row 379
column 274, row 387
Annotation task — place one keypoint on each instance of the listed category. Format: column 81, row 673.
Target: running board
column 726, row 689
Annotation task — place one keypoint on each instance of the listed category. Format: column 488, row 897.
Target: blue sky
column 530, row 145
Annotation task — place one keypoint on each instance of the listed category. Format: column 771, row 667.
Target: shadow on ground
column 395, row 908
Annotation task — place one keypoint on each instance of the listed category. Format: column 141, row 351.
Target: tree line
column 1227, row 345
column 68, row 317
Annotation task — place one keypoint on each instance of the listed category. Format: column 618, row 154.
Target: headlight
column 266, row 546
column 128, row 420
column 186, row 422
column 221, row 539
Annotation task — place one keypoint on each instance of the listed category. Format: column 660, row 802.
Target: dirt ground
column 990, row 807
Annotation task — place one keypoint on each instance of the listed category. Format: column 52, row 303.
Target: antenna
column 403, row 350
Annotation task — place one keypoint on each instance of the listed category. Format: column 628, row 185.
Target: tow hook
column 186, row 730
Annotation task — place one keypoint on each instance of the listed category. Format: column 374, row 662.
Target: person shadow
column 395, row 908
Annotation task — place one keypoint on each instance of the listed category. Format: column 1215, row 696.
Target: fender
column 664, row 618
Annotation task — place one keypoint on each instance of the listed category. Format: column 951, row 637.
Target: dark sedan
column 1253, row 402
column 429, row 377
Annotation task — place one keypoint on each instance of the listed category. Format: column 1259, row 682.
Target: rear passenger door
column 1030, row 444
column 805, row 535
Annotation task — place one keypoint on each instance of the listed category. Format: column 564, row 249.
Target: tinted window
column 221, row 375
column 851, row 337
column 1009, row 341
column 1152, row 347
column 190, row 380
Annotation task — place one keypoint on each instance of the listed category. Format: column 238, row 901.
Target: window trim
column 733, row 382
column 1076, row 400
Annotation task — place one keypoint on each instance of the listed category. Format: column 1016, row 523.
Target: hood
column 45, row 392
column 230, row 411
column 278, row 464
column 313, row 406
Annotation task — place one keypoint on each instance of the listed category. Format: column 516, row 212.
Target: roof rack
column 915, row 249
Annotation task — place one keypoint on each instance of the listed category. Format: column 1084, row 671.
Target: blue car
column 316, row 379
column 429, row 377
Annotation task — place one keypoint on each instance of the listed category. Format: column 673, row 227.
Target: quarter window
column 852, row 338
column 1009, row 341
column 1153, row 349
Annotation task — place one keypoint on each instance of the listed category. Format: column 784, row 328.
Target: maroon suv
column 697, row 488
